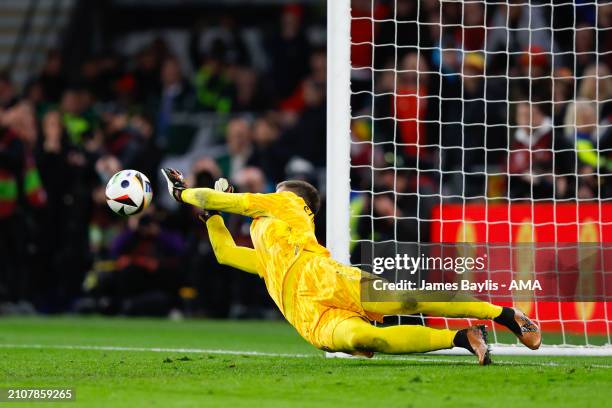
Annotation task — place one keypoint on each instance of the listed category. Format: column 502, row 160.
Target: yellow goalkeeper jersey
column 281, row 238
column 308, row 286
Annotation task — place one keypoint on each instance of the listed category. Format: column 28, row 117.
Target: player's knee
column 366, row 339
column 359, row 339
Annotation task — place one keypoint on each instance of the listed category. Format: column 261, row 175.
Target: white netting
column 485, row 121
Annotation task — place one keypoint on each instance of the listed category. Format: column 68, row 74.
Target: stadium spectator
column 562, row 92
column 289, row 50
column 596, row 86
column 533, row 75
column 176, row 95
column 581, row 120
column 581, row 132
column 214, row 86
column 404, row 96
column 395, row 216
column 473, row 31
column 363, row 35
column 78, row 117
column 268, row 153
column 143, row 83
column 98, row 75
column 405, row 34
column 510, row 33
column 145, row 279
column 411, row 104
column 482, row 112
column 22, row 201
column 251, row 90
column 296, row 102
column 206, row 39
column 52, row 77
column 306, row 138
column 8, row 96
column 584, row 48
column 68, row 175
column 530, row 165
column 604, row 35
column 239, row 146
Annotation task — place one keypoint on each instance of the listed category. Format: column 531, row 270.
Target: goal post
column 338, row 128
column 338, row 183
column 480, row 122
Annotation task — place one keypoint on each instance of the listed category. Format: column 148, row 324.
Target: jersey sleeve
column 272, row 204
column 251, row 205
column 226, row 250
column 210, row 199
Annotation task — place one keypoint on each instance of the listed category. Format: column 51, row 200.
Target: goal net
column 480, row 122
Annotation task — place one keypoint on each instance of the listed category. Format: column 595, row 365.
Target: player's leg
column 515, row 320
column 206, row 198
column 446, row 304
column 477, row 310
column 355, row 334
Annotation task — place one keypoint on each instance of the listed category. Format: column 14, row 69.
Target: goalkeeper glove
column 176, row 182
column 224, row 186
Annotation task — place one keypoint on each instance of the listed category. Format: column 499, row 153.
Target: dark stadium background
column 215, row 88
column 236, row 89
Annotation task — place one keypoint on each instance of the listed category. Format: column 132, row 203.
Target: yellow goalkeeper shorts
column 325, row 294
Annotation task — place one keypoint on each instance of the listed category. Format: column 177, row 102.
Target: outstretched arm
column 210, row 199
column 219, row 199
column 250, row 204
column 226, row 250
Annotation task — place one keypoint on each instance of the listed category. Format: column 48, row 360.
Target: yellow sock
column 473, row 309
column 415, row 339
column 478, row 310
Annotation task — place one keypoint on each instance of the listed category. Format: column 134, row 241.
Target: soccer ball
column 128, row 192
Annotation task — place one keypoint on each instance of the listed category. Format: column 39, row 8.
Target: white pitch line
column 496, row 362
column 417, row 358
column 156, row 350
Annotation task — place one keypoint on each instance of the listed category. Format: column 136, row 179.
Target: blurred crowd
column 496, row 101
column 454, row 110
column 63, row 136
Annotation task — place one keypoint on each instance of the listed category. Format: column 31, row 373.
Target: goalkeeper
column 319, row 296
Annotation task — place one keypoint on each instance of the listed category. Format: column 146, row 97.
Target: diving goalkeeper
column 321, row 297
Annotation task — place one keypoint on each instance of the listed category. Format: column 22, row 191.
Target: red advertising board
column 540, row 223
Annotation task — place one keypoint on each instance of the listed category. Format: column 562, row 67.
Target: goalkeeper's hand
column 223, row 186
column 176, row 182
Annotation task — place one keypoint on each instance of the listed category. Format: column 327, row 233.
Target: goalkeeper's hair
column 307, row 191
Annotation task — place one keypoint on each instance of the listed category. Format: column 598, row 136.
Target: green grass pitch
column 159, row 363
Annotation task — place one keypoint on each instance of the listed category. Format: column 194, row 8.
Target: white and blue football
column 128, row 192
